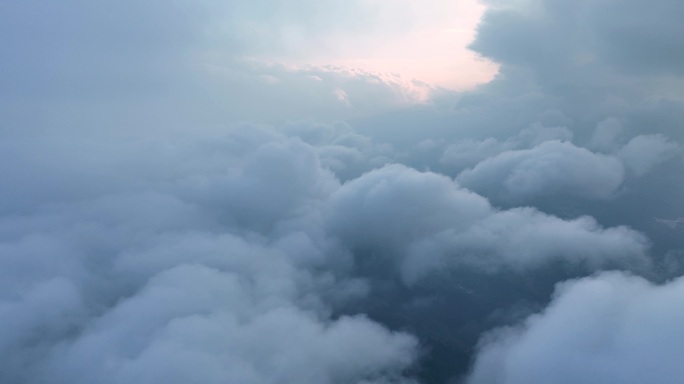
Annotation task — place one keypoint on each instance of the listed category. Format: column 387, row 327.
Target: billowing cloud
column 423, row 222
column 553, row 167
column 221, row 255
column 609, row 328
column 201, row 324
column 466, row 153
column 195, row 275
column 644, row 152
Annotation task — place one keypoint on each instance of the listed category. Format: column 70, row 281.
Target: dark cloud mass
column 181, row 203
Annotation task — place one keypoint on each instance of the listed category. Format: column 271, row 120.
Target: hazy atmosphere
column 342, row 192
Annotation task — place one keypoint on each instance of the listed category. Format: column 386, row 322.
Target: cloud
column 211, row 191
column 229, row 254
column 608, row 328
column 648, row 51
column 185, row 269
column 183, row 66
column 466, row 153
column 553, row 167
column 606, row 135
column 198, row 323
column 644, row 152
column 581, row 58
column 423, row 222
column 420, row 40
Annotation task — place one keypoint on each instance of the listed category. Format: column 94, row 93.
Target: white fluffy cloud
column 195, row 323
column 506, row 172
column 209, row 272
column 612, row 328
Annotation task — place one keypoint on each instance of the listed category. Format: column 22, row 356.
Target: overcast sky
column 332, row 192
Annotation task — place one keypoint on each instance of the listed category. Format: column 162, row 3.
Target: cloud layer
column 221, row 256
column 200, row 191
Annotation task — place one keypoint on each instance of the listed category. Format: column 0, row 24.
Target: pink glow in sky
column 432, row 50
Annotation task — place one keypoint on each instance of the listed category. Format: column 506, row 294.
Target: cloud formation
column 220, row 255
column 608, row 328
column 429, row 223
column 552, row 167
column 197, row 275
column 194, row 192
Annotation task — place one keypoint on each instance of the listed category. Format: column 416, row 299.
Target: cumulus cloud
column 553, row 167
column 644, row 152
column 606, row 135
column 226, row 252
column 424, row 222
column 609, row 328
column 466, row 153
column 198, row 323
column 198, row 275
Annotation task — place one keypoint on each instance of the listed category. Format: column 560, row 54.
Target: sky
column 328, row 192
